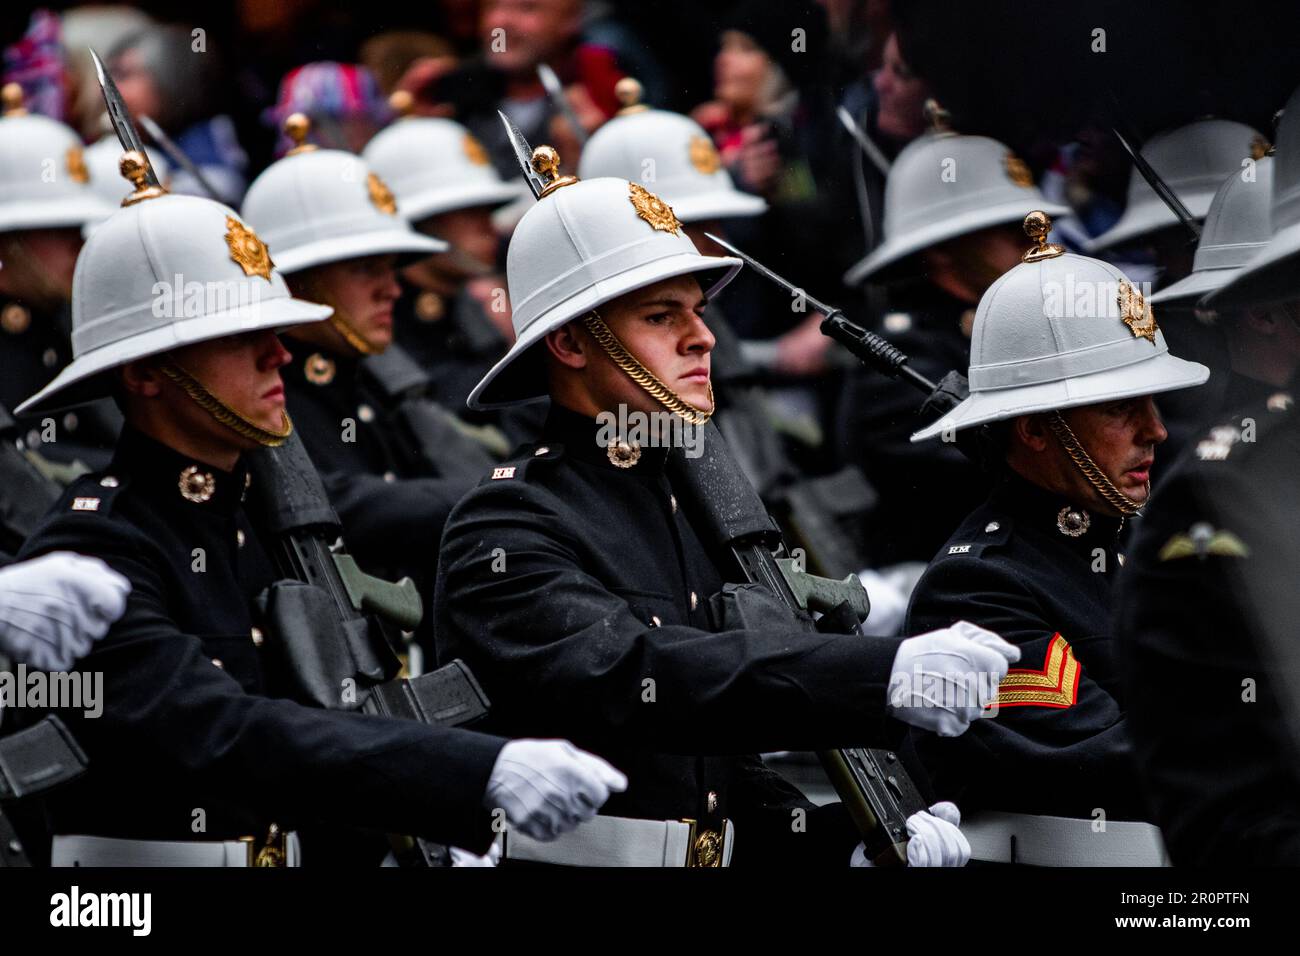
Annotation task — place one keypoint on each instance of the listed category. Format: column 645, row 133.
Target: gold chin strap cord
column 638, row 373
column 1089, row 468
column 222, row 412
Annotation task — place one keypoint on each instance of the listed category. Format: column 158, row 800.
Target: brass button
column 541, row 451
column 256, row 634
column 991, row 527
column 672, row 500
column 216, row 662
column 365, row 413
column 196, row 485
column 695, row 600
column 50, row 358
column 15, row 319
column 389, row 477
column 654, row 619
column 70, row 421
column 1121, row 559
column 428, row 307
column 711, row 802
column 108, row 481
column 239, row 537
column 318, row 369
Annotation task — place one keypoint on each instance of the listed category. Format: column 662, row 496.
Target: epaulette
column 1233, row 437
column 517, row 468
column 94, row 493
column 975, row 540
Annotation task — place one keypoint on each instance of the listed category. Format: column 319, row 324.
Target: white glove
column 933, row 839
column 53, row 608
column 942, row 680
column 548, row 787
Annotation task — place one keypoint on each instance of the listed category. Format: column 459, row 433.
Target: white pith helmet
column 44, row 183
column 944, row 185
column 124, row 289
column 1235, row 229
column 317, row 206
column 669, row 154
column 1193, row 160
column 1058, row 331
column 583, row 244
column 1269, row 277
column 434, row 166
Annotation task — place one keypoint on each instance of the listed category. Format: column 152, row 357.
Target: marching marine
column 576, row 584
column 1065, row 358
column 1208, row 604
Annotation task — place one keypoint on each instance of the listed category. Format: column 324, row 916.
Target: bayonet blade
column 555, row 90
column 860, row 136
column 771, row 276
column 176, row 155
column 121, row 119
column 524, row 155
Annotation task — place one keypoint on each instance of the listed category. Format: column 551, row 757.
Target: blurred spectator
column 342, row 100
column 172, row 74
column 517, row 36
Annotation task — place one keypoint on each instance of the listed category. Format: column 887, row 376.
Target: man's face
column 241, row 370
column 519, row 34
column 663, row 326
column 1121, row 437
column 470, row 234
column 363, row 290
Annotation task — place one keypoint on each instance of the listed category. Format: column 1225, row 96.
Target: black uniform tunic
column 1208, row 620
column 579, row 594
column 1059, row 742
column 188, row 722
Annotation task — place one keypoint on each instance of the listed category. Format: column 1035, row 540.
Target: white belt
column 1062, row 841
column 624, row 841
column 80, row 850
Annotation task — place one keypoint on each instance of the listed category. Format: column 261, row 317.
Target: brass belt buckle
column 272, row 852
column 705, row 846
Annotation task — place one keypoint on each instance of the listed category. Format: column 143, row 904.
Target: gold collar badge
column 76, row 161
column 653, row 209
column 1136, row 313
column 248, row 251
column 381, row 195
column 704, row 156
column 623, row 454
column 196, row 485
column 1072, row 522
column 318, row 369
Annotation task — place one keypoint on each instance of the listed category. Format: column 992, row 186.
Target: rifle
column 33, row 761
column 873, row 784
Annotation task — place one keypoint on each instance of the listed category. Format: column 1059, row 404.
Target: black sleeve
column 551, row 641
column 169, row 705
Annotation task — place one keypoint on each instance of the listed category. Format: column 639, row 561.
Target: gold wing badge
column 1201, row 541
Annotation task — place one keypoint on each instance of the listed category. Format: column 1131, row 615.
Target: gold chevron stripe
column 1056, row 685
